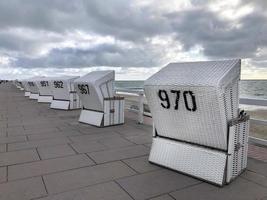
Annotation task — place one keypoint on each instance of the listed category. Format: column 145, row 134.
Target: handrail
column 251, row 101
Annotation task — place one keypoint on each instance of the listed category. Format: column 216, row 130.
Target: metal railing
column 138, row 97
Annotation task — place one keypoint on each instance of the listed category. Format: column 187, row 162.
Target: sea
column 248, row 88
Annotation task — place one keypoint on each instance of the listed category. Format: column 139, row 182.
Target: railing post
column 141, row 108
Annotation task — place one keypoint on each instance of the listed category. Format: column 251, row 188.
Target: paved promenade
column 46, row 154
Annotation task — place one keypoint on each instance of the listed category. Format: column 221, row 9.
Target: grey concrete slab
column 45, row 136
column 115, row 142
column 2, row 148
column 118, row 154
column 105, row 191
column 141, row 164
column 38, row 143
column 87, row 176
column 155, row 183
column 48, row 166
column 143, row 139
column 12, row 139
column 55, row 151
column 257, row 166
column 41, row 131
column 16, row 157
column 240, row 189
column 3, row 174
column 163, row 197
column 92, row 137
column 255, row 177
column 131, row 131
column 22, row 190
column 86, row 147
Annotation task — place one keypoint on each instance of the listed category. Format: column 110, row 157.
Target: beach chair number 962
column 187, row 95
column 84, row 88
column 58, row 84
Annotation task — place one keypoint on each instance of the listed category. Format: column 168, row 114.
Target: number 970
column 187, row 96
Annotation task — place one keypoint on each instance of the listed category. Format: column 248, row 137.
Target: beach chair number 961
column 84, row 88
column 187, row 95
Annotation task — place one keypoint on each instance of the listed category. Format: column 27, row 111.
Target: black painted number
column 31, row 84
column 58, row 84
column 165, row 98
column 44, row 83
column 84, row 88
column 189, row 99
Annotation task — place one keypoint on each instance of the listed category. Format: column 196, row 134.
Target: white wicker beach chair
column 198, row 127
column 31, row 89
column 18, row 84
column 100, row 105
column 27, row 92
column 45, row 90
column 64, row 95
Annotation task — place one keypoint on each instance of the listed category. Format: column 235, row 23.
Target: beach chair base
column 113, row 113
column 60, row 104
column 27, row 94
column 34, row 96
column 45, row 99
column 212, row 165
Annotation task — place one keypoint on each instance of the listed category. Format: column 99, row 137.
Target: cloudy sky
column 134, row 37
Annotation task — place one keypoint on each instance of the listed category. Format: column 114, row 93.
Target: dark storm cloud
column 101, row 55
column 219, row 37
column 124, row 21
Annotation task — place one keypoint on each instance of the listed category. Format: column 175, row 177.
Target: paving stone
column 115, row 142
column 55, row 151
column 41, row 131
column 131, row 131
column 23, row 189
column 255, row 177
column 92, row 137
column 163, row 197
column 2, row 148
column 16, row 157
column 3, row 174
column 141, row 164
column 118, row 154
column 46, row 136
column 71, row 133
column 257, row 166
column 143, row 139
column 38, row 143
column 105, row 191
column 47, row 166
column 239, row 189
column 12, row 139
column 87, row 176
column 88, row 147
column 155, row 183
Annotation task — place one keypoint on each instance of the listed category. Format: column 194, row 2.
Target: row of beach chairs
column 198, row 128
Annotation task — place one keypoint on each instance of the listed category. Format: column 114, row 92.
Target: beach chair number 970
column 58, row 84
column 187, row 95
column 84, row 88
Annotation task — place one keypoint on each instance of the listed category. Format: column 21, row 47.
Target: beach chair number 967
column 187, row 95
column 84, row 88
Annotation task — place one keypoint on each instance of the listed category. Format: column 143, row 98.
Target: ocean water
column 248, row 88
